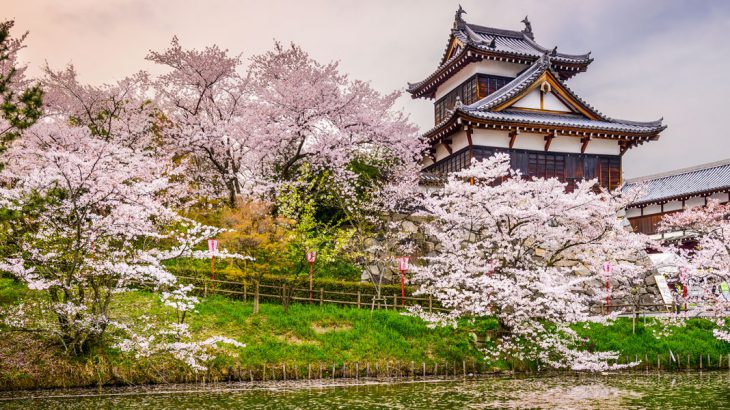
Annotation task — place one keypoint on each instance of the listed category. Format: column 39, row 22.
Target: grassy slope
column 695, row 339
column 308, row 334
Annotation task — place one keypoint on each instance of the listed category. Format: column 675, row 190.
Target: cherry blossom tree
column 174, row 338
column 310, row 119
column 526, row 252
column 121, row 113
column 291, row 120
column 90, row 224
column 20, row 100
column 203, row 101
column 703, row 258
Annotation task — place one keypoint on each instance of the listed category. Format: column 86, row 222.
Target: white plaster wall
column 531, row 100
column 720, row 196
column 603, row 146
column 551, row 102
column 460, row 141
column 482, row 67
column 673, row 206
column 535, row 142
column 692, row 202
column 491, row 138
column 633, row 212
column 652, row 209
column 565, row 143
column 441, row 152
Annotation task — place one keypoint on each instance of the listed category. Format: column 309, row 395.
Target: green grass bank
column 311, row 339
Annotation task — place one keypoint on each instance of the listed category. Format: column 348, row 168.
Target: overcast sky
column 653, row 58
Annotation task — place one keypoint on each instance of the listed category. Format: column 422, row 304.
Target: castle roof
column 583, row 120
column 704, row 179
column 470, row 42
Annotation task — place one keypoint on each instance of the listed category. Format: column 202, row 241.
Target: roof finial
column 493, row 43
column 554, row 52
column 528, row 28
column 458, row 20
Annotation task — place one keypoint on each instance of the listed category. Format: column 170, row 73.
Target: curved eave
column 471, row 53
column 460, row 119
column 683, row 196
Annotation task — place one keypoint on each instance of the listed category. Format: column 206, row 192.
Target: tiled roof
column 567, row 120
column 508, row 44
column 705, row 178
column 431, row 178
column 482, row 108
column 512, row 43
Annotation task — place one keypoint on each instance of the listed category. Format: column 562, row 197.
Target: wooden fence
column 245, row 290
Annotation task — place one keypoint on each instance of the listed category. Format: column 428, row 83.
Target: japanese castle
column 498, row 90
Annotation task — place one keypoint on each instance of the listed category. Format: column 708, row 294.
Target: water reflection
column 555, row 391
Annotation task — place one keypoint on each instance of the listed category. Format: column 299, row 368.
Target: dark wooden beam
column 548, row 140
column 584, row 144
column 447, row 143
column 624, row 146
column 512, row 137
column 469, row 131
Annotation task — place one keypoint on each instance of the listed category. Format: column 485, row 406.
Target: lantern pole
column 311, row 258
column 311, row 268
column 607, row 269
column 212, row 249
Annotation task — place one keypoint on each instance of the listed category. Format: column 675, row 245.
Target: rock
column 409, row 227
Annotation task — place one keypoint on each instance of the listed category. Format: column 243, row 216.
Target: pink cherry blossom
column 526, row 252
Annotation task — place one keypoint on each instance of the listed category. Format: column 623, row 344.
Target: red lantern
column 403, row 265
column 212, row 250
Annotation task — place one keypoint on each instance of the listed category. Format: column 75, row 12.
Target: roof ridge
column 495, row 31
column 680, row 171
column 654, row 123
column 535, row 44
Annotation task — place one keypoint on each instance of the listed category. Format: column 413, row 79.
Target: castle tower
column 498, row 90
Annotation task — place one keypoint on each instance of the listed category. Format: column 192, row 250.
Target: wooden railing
column 245, row 290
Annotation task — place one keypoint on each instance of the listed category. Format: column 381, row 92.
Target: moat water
column 679, row 390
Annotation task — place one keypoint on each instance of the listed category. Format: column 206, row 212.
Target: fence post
column 321, row 296
column 395, row 301
column 205, row 289
column 245, row 291
column 430, row 303
column 358, row 298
